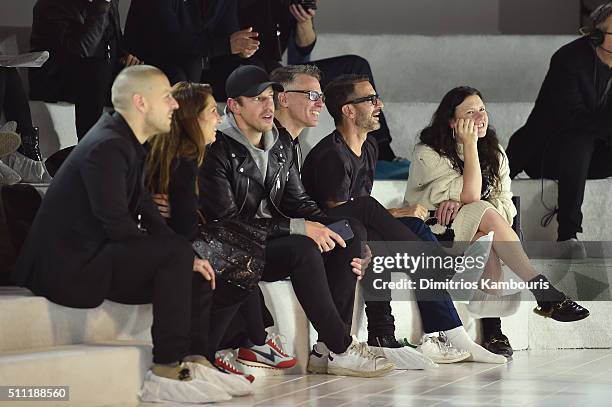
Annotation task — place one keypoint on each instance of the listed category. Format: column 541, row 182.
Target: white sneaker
column 30, row 171
column 318, row 359
column 358, row 361
column 405, row 358
column 440, row 350
column 159, row 389
column 234, row 385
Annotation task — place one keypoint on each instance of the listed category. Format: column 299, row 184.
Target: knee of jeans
column 304, row 250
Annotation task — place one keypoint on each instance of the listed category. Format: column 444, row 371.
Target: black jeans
column 247, row 325
column 572, row 160
column 158, row 270
column 438, row 314
column 14, row 101
column 326, row 294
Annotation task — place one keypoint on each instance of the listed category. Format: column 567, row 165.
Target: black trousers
column 325, row 293
column 438, row 313
column 571, row 161
column 89, row 90
column 14, row 101
column 245, row 326
column 158, row 270
column 221, row 67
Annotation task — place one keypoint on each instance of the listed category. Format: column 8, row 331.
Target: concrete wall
column 406, row 16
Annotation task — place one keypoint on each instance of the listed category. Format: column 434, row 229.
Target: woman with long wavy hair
column 173, row 164
column 461, row 171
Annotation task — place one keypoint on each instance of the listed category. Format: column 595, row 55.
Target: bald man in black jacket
column 98, row 235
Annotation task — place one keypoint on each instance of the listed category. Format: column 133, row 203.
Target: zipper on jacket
column 277, row 179
column 245, row 195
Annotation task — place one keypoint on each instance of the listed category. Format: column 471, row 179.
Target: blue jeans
column 436, row 315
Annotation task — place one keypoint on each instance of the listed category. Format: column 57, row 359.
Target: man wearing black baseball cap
column 250, row 172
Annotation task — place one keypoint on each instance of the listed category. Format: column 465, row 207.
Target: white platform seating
column 103, row 353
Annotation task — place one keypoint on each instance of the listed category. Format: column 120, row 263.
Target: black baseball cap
column 249, row 80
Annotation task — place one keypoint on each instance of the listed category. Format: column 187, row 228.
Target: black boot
column 30, row 145
column 493, row 339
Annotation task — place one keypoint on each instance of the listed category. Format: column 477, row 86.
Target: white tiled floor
column 533, row 378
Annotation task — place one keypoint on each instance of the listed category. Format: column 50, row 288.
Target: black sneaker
column 562, row 311
column 499, row 344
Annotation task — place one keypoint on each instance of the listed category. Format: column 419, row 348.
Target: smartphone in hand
column 343, row 228
column 306, row 4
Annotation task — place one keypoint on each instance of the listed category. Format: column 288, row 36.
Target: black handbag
column 235, row 249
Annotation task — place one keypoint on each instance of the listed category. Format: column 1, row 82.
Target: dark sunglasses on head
column 372, row 99
column 313, row 95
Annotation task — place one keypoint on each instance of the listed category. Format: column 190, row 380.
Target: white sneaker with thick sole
column 358, row 360
column 318, row 359
column 439, row 349
column 157, row 389
column 234, row 385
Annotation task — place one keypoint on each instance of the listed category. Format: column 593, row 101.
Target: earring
column 453, row 129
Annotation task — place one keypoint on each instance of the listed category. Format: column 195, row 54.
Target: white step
column 418, row 68
column 48, row 324
column 97, row 375
column 597, row 196
column 56, row 123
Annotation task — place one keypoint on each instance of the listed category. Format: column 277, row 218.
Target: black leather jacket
column 230, row 185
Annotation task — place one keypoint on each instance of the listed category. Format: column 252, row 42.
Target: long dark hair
column 185, row 139
column 439, row 136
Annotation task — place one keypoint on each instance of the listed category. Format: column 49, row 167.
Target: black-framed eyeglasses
column 372, row 99
column 313, row 95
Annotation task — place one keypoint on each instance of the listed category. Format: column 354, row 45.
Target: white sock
column 461, row 340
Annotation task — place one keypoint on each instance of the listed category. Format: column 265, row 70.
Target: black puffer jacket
column 230, row 185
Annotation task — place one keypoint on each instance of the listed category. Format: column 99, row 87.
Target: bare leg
column 507, row 245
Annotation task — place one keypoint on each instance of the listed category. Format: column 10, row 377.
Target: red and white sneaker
column 270, row 354
column 225, row 360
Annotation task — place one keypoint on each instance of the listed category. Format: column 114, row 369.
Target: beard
column 367, row 122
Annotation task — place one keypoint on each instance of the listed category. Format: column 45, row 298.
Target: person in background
column 179, row 37
column 86, row 50
column 568, row 134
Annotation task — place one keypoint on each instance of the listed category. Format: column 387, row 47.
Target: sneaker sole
column 316, row 369
column 261, row 365
column 340, row 371
column 447, row 361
